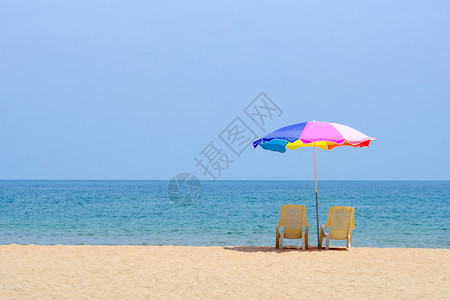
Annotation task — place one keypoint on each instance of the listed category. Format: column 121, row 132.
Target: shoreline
column 265, row 248
column 103, row 271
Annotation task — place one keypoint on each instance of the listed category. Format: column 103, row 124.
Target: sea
column 388, row 214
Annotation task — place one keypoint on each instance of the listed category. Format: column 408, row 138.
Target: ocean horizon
column 397, row 214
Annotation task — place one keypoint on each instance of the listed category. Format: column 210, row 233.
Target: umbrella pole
column 317, row 202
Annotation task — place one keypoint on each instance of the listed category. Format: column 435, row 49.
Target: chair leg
column 277, row 239
column 327, row 243
column 281, row 240
column 303, row 243
column 349, row 242
column 306, row 239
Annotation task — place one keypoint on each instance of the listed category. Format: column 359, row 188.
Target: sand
column 168, row 272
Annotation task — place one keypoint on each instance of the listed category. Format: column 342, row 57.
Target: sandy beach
column 140, row 272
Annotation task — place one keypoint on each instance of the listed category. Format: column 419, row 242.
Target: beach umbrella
column 321, row 135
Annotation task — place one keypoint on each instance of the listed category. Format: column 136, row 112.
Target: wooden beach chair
column 341, row 220
column 292, row 218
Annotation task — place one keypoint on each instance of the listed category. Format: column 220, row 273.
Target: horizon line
column 209, row 180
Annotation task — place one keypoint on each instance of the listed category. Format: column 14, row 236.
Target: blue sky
column 136, row 89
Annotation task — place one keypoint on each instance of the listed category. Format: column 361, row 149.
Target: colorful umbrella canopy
column 323, row 135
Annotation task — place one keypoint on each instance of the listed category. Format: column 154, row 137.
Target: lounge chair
column 292, row 218
column 341, row 220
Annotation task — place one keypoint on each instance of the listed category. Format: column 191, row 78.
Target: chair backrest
column 340, row 219
column 293, row 217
